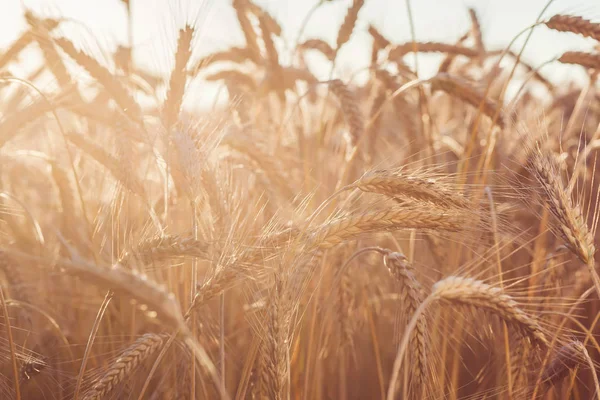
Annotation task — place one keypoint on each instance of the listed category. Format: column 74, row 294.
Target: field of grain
column 387, row 238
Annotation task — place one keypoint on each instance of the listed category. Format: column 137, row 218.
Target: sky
column 98, row 25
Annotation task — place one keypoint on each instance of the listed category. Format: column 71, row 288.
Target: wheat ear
column 137, row 353
column 349, row 227
column 349, row 23
column 571, row 222
column 117, row 91
column 172, row 106
column 412, row 296
column 587, row 60
column 467, row 92
column 575, row 24
column 406, row 185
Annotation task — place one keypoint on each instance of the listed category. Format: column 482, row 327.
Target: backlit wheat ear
column 174, row 98
column 165, row 247
column 53, row 59
column 406, row 185
column 575, row 24
column 118, row 92
column 276, row 346
column 412, row 296
column 466, row 91
column 571, row 223
column 349, row 23
column 471, row 292
column 137, row 353
column 587, row 60
column 349, row 227
column 350, row 109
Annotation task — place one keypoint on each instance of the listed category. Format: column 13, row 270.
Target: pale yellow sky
column 156, row 23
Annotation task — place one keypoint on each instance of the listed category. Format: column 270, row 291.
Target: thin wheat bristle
column 575, row 24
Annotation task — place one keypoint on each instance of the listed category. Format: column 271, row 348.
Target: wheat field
column 396, row 237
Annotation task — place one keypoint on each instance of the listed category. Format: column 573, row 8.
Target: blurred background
column 98, row 26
